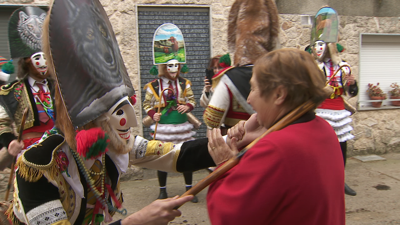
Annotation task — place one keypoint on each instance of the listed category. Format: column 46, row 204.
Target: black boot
column 349, row 191
column 194, row 200
column 163, row 193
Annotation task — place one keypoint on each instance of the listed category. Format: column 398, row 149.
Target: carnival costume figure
column 170, row 97
column 32, row 89
column 231, row 86
column 335, row 110
column 72, row 175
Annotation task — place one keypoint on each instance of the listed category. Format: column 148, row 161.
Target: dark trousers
column 343, row 147
column 162, row 178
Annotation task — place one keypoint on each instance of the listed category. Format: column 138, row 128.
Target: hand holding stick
column 342, row 66
column 287, row 120
column 21, row 129
column 159, row 108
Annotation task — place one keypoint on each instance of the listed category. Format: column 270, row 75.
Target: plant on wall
column 395, row 93
column 376, row 93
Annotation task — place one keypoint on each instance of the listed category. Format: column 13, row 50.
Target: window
column 379, row 63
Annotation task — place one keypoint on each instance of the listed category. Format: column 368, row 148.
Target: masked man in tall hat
column 72, row 175
column 335, row 110
column 170, row 98
column 32, row 89
column 252, row 31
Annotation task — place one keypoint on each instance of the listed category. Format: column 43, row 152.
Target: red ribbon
column 117, row 203
column 43, row 96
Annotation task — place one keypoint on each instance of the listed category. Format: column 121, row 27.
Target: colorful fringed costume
column 72, row 176
column 229, row 105
column 335, row 110
column 170, row 95
column 51, row 186
column 16, row 96
column 252, row 31
column 173, row 126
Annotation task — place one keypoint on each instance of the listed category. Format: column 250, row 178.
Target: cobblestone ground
column 4, row 176
column 377, row 184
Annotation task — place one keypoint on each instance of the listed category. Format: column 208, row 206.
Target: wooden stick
column 285, row 121
column 330, row 79
column 21, row 128
column 159, row 107
column 155, row 128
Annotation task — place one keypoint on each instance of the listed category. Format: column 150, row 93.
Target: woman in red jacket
column 291, row 176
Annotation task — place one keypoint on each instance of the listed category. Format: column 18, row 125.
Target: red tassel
column 133, row 100
column 223, row 65
column 86, row 138
column 118, row 204
column 96, row 211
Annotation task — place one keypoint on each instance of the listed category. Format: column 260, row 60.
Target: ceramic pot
column 376, row 104
column 395, row 103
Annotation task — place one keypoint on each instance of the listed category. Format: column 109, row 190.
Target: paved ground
column 377, row 184
column 378, row 191
column 377, row 202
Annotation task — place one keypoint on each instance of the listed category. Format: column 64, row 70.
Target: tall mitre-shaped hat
column 25, row 31
column 325, row 30
column 168, row 44
column 87, row 62
column 325, row 26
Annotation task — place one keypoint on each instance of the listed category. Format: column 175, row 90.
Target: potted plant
column 395, row 93
column 376, row 93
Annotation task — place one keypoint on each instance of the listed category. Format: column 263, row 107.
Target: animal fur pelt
column 253, row 29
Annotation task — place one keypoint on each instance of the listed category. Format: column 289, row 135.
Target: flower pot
column 395, row 103
column 376, row 104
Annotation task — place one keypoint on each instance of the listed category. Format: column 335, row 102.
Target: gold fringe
column 28, row 173
column 32, row 174
column 11, row 216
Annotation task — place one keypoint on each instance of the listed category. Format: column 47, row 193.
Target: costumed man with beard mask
column 252, row 31
column 32, row 89
column 335, row 110
column 170, row 98
column 72, row 175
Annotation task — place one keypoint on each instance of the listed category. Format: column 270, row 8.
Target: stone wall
column 343, row 7
column 375, row 131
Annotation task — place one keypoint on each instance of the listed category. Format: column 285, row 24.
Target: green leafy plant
column 375, row 91
column 395, row 91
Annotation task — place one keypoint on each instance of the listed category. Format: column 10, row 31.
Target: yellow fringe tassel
column 34, row 173
column 10, row 215
column 28, row 173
